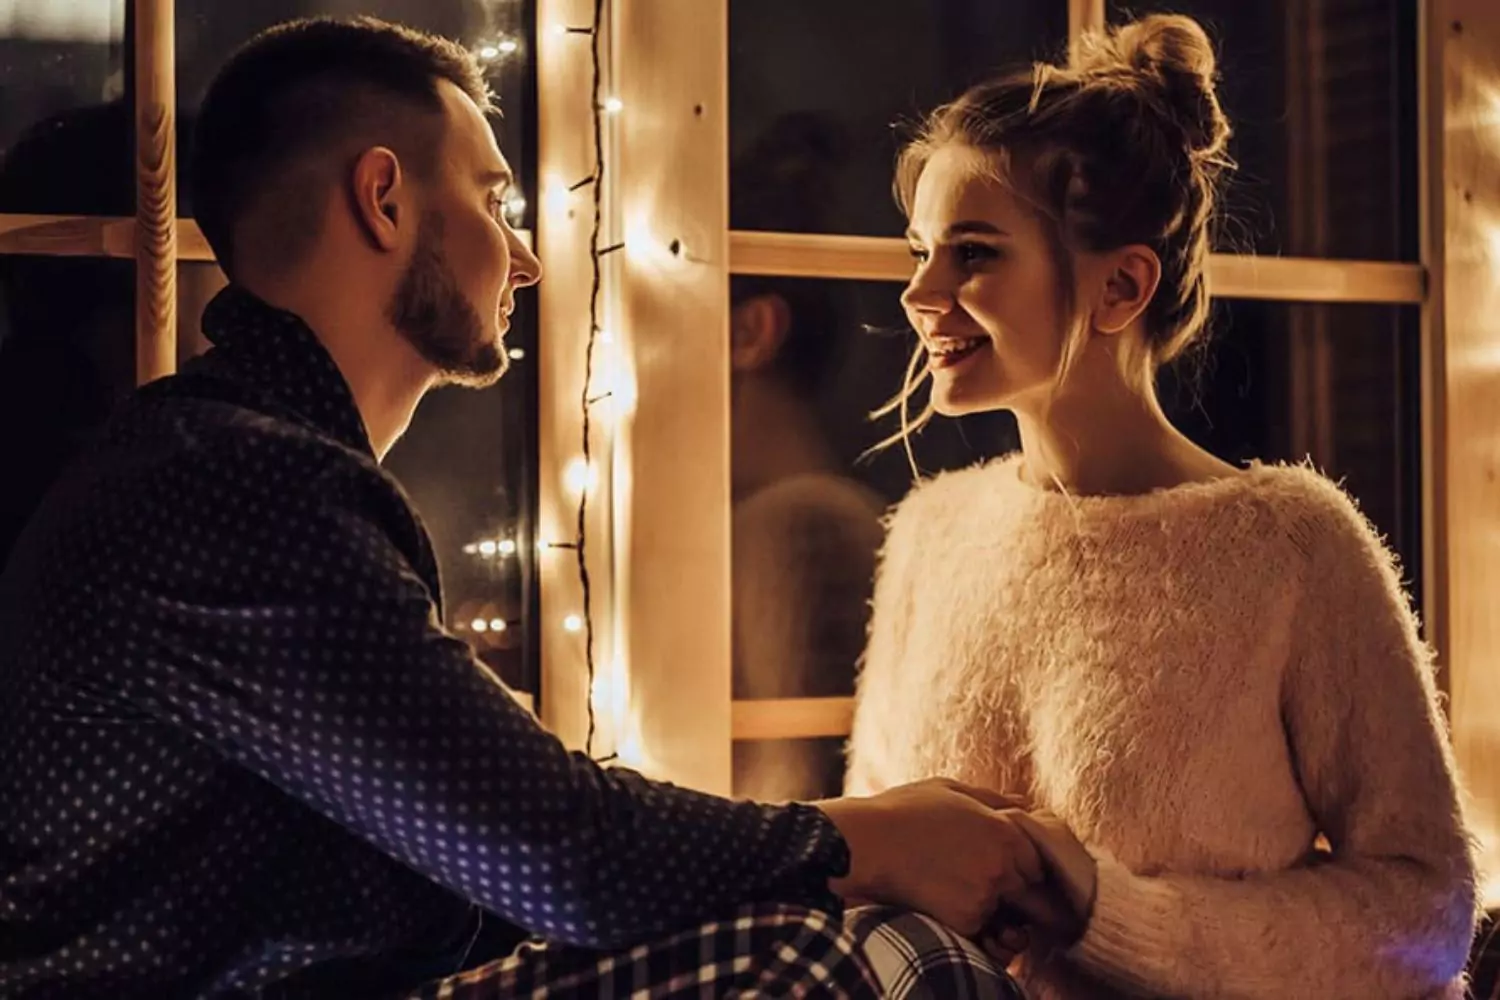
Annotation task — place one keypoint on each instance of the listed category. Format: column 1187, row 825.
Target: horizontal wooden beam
column 791, row 718
column 1289, row 279
column 99, row 236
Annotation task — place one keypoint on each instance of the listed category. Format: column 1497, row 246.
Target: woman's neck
column 1104, row 438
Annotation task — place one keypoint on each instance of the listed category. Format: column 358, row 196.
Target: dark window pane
column 67, row 355
column 469, row 462
column 208, row 32
column 65, row 109
column 1339, row 383
column 821, row 84
column 1323, row 100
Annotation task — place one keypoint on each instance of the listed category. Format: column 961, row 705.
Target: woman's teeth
column 949, row 351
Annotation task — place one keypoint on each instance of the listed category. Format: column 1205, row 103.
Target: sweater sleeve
column 870, row 738
column 1390, row 911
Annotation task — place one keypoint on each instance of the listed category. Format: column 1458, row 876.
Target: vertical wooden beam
column 1432, row 40
column 673, row 535
column 1084, row 16
column 156, row 190
column 1463, row 412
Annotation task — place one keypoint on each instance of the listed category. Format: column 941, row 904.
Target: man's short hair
column 293, row 105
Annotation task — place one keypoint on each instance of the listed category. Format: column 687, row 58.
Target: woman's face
column 986, row 295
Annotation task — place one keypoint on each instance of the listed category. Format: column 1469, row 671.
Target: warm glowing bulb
column 479, row 625
column 487, row 548
column 579, row 476
column 471, row 549
column 516, row 354
column 506, row 546
column 612, row 105
column 488, row 52
column 515, row 207
column 497, row 625
column 629, row 751
column 573, row 623
column 555, row 195
column 508, row 46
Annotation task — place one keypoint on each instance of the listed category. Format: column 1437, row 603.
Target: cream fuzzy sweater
column 1200, row 681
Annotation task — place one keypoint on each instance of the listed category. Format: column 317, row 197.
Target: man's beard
column 433, row 314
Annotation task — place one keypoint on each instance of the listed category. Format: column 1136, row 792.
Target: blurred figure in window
column 805, row 534
column 67, row 324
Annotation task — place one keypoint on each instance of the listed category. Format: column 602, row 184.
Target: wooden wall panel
column 1463, row 420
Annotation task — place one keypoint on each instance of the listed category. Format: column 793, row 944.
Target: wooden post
column 156, row 190
column 673, row 525
column 1462, row 405
column 1084, row 16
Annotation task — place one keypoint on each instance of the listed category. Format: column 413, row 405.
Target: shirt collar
column 276, row 353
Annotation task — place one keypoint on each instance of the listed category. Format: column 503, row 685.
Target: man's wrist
column 857, row 821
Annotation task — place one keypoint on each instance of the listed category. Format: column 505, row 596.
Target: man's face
column 455, row 299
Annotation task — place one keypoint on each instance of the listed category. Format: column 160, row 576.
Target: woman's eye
column 917, row 253
column 971, row 253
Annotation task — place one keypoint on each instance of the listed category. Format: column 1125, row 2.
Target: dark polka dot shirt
column 240, row 755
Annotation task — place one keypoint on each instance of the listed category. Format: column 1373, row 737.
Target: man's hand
column 945, row 849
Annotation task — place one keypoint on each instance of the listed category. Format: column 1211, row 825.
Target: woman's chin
column 954, row 401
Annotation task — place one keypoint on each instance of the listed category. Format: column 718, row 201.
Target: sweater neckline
column 1161, row 496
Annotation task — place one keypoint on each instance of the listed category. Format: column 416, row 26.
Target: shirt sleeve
column 1390, row 910
column 314, row 657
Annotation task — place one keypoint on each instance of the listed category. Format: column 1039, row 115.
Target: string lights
column 581, row 475
column 608, row 390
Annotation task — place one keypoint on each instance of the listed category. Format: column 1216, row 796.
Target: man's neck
column 385, row 374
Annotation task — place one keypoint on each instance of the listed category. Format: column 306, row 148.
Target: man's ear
column 1132, row 276
column 758, row 328
column 378, row 197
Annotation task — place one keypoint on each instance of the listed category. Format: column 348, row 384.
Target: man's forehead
column 469, row 126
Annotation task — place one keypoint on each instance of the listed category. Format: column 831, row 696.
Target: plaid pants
column 761, row 951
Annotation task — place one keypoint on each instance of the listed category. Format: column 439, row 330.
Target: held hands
column 970, row 858
column 1057, row 913
column 945, row 849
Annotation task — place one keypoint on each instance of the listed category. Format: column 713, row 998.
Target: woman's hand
column 1072, row 878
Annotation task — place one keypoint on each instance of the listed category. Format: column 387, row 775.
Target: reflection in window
column 67, row 356
column 895, row 59
column 1323, row 100
column 64, row 102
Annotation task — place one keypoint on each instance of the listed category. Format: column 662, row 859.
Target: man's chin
column 482, row 369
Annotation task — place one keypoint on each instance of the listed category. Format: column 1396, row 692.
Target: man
column 238, row 752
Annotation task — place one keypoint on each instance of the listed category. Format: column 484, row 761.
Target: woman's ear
column 1131, row 278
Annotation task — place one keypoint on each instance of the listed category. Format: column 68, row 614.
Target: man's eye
column 918, row 253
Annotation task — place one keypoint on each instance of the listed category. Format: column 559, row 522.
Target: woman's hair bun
column 1172, row 55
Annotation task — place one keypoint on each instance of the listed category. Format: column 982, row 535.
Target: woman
column 1206, row 678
